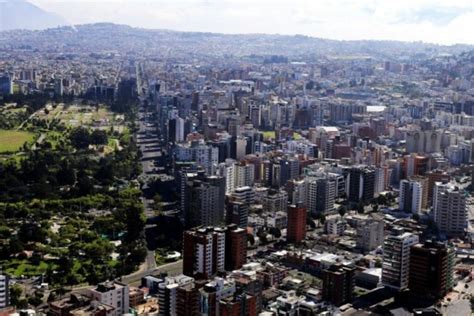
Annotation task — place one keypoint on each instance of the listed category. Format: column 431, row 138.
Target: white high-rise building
column 4, row 291
column 203, row 252
column 450, row 209
column 411, row 196
column 180, row 129
column 320, row 194
column 396, row 260
column 240, row 147
column 168, row 293
column 370, row 234
column 275, row 201
column 114, row 294
column 204, row 155
column 244, row 175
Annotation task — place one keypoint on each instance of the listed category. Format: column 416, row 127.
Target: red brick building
column 296, row 231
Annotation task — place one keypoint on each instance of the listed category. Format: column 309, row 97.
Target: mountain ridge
column 23, row 15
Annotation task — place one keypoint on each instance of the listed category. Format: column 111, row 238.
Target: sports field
column 11, row 140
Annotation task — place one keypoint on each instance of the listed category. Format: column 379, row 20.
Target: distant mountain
column 21, row 14
column 108, row 37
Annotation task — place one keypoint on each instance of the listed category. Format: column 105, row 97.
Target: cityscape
column 159, row 172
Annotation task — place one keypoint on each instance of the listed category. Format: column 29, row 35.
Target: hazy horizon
column 435, row 21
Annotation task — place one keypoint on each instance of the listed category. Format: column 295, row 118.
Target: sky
column 435, row 21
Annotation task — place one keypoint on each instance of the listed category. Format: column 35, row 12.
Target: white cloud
column 440, row 21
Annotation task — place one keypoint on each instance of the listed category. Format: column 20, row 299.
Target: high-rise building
column 415, row 165
column 450, row 208
column 168, row 293
column 115, row 294
column 296, row 189
column 370, row 234
column 236, row 212
column 203, row 252
column 361, row 184
column 433, row 177
column 396, row 260
column 188, row 300
column 296, row 231
column 275, row 201
column 289, row 169
column 320, row 194
column 342, row 113
column 338, row 284
column 204, row 155
column 6, row 85
column 212, row 293
column 245, row 195
column 240, row 147
column 244, row 174
column 236, row 245
column 58, row 87
column 4, row 291
column 205, row 201
column 430, row 269
column 176, row 130
column 411, row 195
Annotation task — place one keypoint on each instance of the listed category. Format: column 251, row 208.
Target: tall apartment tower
column 361, row 184
column 412, row 195
column 236, row 245
column 450, row 208
column 296, row 231
column 431, row 270
column 370, row 234
column 433, row 177
column 236, row 212
column 203, row 252
column 187, row 300
column 338, row 284
column 168, row 293
column 244, row 174
column 320, row 194
column 206, row 201
column 396, row 260
column 4, row 291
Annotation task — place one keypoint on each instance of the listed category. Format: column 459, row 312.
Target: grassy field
column 271, row 134
column 11, row 141
column 24, row 267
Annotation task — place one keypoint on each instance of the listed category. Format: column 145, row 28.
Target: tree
column 275, row 232
column 360, row 208
column 342, row 211
column 375, row 208
column 99, row 137
column 80, row 138
column 322, row 218
column 251, row 239
column 15, row 295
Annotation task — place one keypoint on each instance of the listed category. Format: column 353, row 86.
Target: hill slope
column 21, row 14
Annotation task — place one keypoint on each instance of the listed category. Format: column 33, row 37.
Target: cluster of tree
column 35, row 101
column 82, row 243
column 12, row 120
column 82, row 137
column 44, row 173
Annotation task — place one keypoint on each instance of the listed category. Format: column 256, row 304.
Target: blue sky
column 438, row 21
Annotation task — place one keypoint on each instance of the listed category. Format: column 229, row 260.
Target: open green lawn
column 269, row 134
column 11, row 140
column 24, row 267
